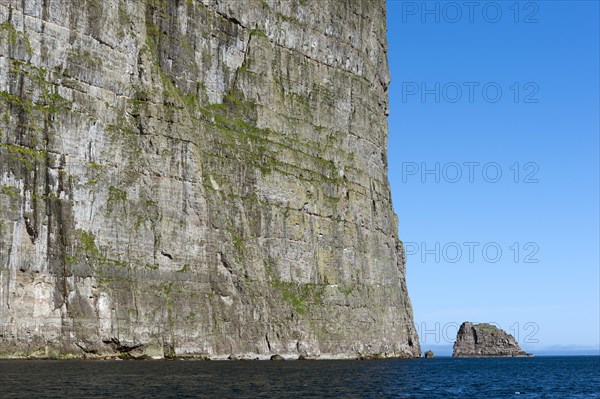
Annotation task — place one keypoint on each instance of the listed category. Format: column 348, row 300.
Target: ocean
column 536, row 377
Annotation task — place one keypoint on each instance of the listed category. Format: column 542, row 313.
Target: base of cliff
column 53, row 355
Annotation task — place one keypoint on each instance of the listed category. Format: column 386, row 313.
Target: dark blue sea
column 537, row 377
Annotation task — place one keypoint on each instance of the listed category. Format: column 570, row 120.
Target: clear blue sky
column 449, row 63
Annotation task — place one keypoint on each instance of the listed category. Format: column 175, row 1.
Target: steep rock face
column 197, row 178
column 485, row 340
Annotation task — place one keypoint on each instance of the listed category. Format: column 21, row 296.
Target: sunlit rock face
column 485, row 340
column 197, row 179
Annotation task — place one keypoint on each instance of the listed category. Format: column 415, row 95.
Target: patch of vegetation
column 258, row 33
column 89, row 250
column 9, row 98
column 184, row 269
column 265, row 5
column 300, row 296
column 24, row 156
column 115, row 195
column 345, row 289
column 88, row 240
column 151, row 267
column 10, row 191
column 54, row 103
column 15, row 38
column 238, row 242
column 70, row 259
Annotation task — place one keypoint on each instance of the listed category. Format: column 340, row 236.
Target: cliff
column 197, row 179
column 485, row 340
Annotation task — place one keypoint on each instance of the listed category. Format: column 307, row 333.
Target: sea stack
column 485, row 340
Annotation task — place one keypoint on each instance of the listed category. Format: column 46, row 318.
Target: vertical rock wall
column 197, row 178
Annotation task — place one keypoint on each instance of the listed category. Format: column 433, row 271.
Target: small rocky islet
column 485, row 340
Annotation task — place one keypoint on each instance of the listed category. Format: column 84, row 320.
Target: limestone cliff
column 197, row 178
column 485, row 340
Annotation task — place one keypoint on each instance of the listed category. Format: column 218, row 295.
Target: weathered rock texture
column 197, row 178
column 485, row 340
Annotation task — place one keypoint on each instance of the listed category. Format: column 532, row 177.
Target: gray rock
column 276, row 357
column 198, row 179
column 429, row 354
column 485, row 340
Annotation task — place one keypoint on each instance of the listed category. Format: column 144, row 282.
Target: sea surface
column 537, row 377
